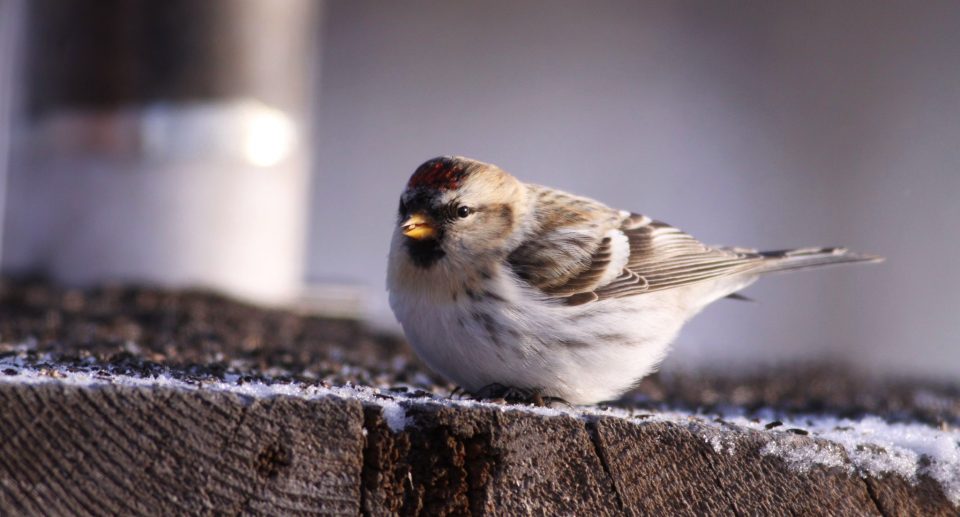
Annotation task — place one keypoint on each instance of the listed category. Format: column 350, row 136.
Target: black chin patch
column 425, row 253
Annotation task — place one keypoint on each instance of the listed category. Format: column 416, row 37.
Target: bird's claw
column 514, row 395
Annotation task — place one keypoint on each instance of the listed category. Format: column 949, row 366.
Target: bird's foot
column 457, row 392
column 497, row 392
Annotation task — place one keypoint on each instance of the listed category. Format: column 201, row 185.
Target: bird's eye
column 403, row 207
column 464, row 211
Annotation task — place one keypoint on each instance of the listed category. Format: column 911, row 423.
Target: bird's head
column 455, row 206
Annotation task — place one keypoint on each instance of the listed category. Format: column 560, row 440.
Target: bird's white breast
column 504, row 332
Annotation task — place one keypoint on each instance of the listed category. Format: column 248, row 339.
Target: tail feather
column 806, row 258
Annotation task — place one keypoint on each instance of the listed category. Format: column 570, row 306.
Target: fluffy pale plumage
column 542, row 290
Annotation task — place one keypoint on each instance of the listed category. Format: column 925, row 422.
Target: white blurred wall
column 750, row 123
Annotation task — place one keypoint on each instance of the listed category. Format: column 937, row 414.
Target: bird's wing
column 663, row 257
column 583, row 251
column 573, row 245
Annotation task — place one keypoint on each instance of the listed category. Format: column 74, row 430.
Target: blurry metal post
column 166, row 142
column 11, row 18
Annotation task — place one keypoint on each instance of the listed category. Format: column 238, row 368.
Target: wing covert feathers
column 577, row 253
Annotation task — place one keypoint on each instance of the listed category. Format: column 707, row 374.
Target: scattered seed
column 775, row 423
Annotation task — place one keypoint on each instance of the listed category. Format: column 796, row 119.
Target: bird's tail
column 806, row 258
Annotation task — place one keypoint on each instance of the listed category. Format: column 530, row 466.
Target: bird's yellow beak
column 418, row 227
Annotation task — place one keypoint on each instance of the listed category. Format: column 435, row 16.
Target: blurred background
column 259, row 147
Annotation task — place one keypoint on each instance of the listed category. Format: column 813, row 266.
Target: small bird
column 524, row 292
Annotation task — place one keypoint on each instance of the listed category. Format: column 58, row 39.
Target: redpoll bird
column 513, row 289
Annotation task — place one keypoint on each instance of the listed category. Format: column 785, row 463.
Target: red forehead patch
column 439, row 174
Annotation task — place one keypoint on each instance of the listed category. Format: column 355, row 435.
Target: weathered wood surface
column 72, row 450
column 137, row 451
column 123, row 450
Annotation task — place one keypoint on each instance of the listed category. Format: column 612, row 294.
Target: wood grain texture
column 484, row 462
column 894, row 495
column 144, row 451
column 662, row 466
column 115, row 450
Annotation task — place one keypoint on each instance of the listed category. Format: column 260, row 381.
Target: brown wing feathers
column 569, row 255
column 664, row 257
column 590, row 277
column 661, row 257
column 567, row 252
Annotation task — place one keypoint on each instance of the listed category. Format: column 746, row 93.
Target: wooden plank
column 135, row 451
column 117, row 449
column 162, row 450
